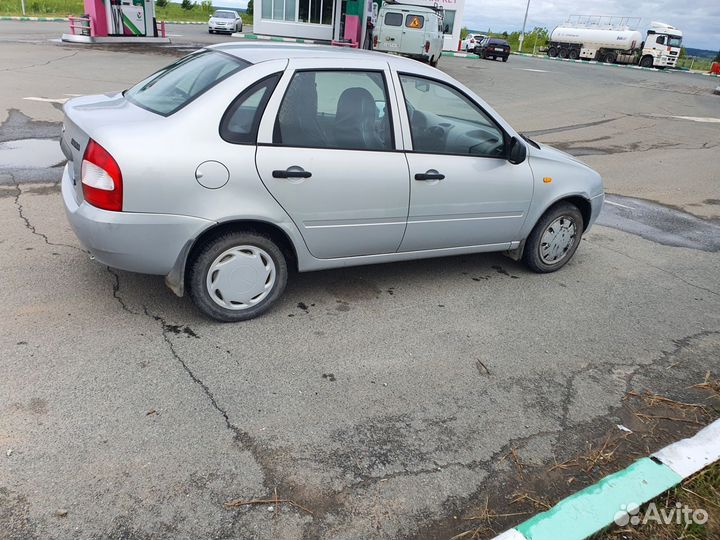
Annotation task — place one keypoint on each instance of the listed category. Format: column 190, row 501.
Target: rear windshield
column 170, row 89
column 497, row 41
column 393, row 19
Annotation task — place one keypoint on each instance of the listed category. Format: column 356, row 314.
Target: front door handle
column 430, row 175
column 292, row 172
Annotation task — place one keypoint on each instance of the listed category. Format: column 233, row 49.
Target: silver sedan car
column 240, row 161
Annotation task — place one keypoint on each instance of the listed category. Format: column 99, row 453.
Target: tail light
column 101, row 178
column 427, row 46
column 375, row 41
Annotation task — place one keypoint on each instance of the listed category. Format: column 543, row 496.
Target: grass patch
column 63, row 8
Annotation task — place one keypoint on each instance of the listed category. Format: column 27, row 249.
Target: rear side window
column 344, row 109
column 170, row 89
column 415, row 21
column 241, row 121
column 393, row 19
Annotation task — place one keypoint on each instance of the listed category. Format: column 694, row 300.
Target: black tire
column 563, row 53
column 434, row 62
column 210, row 31
column 504, row 58
column 646, row 61
column 574, row 54
column 552, row 52
column 610, row 58
column 211, row 251
column 532, row 254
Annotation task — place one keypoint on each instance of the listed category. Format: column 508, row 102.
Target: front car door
column 463, row 191
column 327, row 153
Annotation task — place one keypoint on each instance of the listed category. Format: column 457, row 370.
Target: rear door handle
column 430, row 175
column 290, row 173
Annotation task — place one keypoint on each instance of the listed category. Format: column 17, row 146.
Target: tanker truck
column 617, row 44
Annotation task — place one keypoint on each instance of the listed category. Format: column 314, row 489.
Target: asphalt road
column 383, row 400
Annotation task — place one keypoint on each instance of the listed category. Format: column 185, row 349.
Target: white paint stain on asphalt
column 698, row 119
column 534, row 70
column 618, row 204
column 48, row 100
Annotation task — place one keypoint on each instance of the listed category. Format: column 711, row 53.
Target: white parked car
column 468, row 44
column 225, row 20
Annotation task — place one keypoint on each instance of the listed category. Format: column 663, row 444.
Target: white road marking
column 618, row 204
column 48, row 100
column 535, row 70
column 174, row 35
column 698, row 119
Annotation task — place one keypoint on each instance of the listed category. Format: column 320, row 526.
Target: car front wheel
column 555, row 238
column 237, row 276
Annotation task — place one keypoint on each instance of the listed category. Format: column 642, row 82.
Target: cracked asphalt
column 383, row 400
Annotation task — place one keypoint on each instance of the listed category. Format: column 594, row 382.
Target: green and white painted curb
column 625, row 66
column 277, row 38
column 588, row 511
column 41, row 19
column 459, row 54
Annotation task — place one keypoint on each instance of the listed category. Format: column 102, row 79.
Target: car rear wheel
column 563, row 53
column 555, row 238
column 610, row 58
column 574, row 54
column 237, row 276
column 552, row 52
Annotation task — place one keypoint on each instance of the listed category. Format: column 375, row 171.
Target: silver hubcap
column 557, row 240
column 241, row 277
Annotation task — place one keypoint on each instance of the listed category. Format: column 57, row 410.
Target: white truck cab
column 413, row 31
column 663, row 44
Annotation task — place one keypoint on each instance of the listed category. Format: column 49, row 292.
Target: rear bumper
column 137, row 242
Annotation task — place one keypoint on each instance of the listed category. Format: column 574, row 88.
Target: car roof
column 264, row 52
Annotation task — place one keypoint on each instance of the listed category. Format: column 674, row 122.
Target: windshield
column 224, row 15
column 170, row 89
column 674, row 41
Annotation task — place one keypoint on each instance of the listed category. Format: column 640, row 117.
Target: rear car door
column 464, row 192
column 327, row 153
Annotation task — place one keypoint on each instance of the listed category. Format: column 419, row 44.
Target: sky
column 699, row 20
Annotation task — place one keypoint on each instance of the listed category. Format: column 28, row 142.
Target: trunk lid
column 95, row 117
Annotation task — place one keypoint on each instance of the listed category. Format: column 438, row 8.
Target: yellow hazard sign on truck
column 414, row 22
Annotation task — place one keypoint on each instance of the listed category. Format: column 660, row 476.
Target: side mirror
column 517, row 152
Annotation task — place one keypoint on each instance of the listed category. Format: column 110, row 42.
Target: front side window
column 170, row 89
column 335, row 109
column 444, row 121
column 393, row 19
column 415, row 21
column 660, row 40
column 241, row 121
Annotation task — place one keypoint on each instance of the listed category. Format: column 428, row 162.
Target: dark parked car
column 493, row 48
